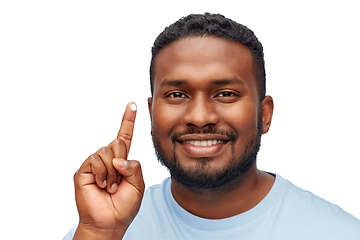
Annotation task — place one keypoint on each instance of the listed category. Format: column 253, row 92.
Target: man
column 208, row 111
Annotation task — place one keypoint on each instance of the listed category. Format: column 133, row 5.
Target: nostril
column 200, row 115
column 201, row 121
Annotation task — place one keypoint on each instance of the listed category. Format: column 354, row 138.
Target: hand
column 109, row 188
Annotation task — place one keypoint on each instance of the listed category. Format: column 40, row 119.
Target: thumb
column 131, row 172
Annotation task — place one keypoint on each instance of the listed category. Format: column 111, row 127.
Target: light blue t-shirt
column 287, row 212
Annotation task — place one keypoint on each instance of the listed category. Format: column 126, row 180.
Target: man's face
column 205, row 111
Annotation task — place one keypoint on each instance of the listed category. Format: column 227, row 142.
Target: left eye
column 176, row 95
column 226, row 94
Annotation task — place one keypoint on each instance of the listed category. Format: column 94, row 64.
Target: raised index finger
column 127, row 125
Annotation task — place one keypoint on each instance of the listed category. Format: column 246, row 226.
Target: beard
column 202, row 176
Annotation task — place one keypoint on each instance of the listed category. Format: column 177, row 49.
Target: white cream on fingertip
column 133, row 107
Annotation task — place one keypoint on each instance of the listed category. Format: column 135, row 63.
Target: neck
column 237, row 197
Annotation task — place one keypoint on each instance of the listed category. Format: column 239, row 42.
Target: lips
column 202, row 145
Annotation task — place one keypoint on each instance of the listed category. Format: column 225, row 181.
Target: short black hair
column 198, row 25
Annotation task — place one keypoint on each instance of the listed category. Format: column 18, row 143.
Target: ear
column 149, row 100
column 267, row 106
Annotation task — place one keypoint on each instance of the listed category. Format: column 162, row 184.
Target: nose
column 201, row 112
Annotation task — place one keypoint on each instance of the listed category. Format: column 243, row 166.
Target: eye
column 176, row 95
column 226, row 94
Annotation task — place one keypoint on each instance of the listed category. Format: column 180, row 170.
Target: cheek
column 243, row 118
column 165, row 118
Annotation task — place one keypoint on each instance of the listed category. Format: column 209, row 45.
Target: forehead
column 197, row 59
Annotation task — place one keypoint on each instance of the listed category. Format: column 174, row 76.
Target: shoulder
column 317, row 213
column 154, row 197
column 157, row 191
column 308, row 201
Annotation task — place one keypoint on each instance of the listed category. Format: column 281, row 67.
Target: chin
column 206, row 177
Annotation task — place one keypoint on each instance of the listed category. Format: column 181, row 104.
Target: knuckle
column 93, row 158
column 104, row 150
column 96, row 165
column 118, row 141
column 136, row 165
column 126, row 136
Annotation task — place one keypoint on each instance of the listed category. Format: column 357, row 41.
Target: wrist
column 88, row 232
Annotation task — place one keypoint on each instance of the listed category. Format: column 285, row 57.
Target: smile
column 204, row 143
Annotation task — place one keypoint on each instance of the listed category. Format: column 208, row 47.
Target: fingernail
column 104, row 183
column 120, row 162
column 113, row 187
column 133, row 107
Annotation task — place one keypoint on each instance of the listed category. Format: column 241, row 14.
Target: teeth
column 204, row 143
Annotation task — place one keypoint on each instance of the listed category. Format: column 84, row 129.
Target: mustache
column 230, row 135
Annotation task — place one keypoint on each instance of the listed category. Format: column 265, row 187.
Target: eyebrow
column 217, row 82
column 228, row 81
column 173, row 83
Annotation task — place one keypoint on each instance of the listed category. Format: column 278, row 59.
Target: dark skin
column 109, row 187
column 199, row 82
column 202, row 82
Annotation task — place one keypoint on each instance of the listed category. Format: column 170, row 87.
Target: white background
column 68, row 69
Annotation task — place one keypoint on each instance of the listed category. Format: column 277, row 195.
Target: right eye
column 176, row 95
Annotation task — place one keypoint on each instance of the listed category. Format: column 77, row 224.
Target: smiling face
column 205, row 111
